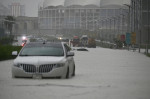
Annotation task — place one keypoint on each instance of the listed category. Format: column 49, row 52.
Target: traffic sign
column 122, row 37
column 128, row 38
column 133, row 38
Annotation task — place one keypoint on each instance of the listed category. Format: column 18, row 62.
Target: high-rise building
column 140, row 22
column 17, row 9
column 4, row 11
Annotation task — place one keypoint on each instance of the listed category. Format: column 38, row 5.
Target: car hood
column 38, row 60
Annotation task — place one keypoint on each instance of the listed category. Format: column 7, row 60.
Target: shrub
column 148, row 54
column 6, row 51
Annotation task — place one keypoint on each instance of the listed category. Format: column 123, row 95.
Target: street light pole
column 129, row 27
column 129, row 18
column 148, row 41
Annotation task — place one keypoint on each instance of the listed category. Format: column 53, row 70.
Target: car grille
column 41, row 69
column 28, row 68
column 46, row 68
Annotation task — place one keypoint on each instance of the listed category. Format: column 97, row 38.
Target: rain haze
column 31, row 6
column 74, row 49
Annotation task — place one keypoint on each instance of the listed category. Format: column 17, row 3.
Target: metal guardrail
column 140, row 48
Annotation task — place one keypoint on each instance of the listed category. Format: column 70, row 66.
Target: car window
column 42, row 51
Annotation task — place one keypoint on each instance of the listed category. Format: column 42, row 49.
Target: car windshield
column 42, row 51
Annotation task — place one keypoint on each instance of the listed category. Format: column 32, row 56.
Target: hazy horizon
column 31, row 6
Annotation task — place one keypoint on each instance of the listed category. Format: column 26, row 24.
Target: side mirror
column 14, row 53
column 70, row 54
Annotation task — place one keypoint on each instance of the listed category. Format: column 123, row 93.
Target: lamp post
column 114, row 24
column 129, row 28
column 148, row 35
column 135, row 18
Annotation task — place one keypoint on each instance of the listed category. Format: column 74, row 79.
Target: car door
column 70, row 58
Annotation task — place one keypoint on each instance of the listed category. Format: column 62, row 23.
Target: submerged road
column 100, row 74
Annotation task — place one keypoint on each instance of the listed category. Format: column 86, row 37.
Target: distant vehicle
column 44, row 59
column 84, row 40
column 88, row 42
column 65, row 40
column 91, row 43
column 39, row 40
column 24, row 40
column 76, row 41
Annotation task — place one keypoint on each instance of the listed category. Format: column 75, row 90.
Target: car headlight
column 17, row 65
column 59, row 65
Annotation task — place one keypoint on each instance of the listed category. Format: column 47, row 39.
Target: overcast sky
column 31, row 6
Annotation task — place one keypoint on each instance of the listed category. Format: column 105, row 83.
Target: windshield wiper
column 41, row 55
column 50, row 55
column 25, row 55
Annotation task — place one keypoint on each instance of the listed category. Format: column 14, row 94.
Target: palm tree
column 9, row 21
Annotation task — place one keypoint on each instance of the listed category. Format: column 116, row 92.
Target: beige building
column 26, row 26
column 76, row 17
column 17, row 9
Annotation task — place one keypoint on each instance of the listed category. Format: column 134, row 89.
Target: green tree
column 9, row 21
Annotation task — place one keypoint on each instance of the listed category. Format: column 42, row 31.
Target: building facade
column 26, row 26
column 17, row 9
column 4, row 11
column 140, row 22
column 77, row 17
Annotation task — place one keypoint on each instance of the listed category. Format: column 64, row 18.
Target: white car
column 44, row 59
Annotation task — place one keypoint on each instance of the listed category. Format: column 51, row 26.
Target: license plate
column 37, row 76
